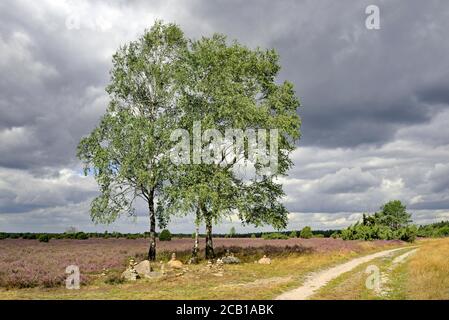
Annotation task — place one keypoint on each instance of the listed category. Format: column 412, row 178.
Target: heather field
column 30, row 263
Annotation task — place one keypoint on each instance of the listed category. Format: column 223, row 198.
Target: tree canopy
column 161, row 83
column 127, row 151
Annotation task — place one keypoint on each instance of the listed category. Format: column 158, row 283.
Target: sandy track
column 384, row 289
column 317, row 280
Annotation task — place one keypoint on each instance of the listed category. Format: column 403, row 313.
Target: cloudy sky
column 375, row 102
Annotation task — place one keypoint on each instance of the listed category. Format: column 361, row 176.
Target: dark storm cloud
column 358, row 86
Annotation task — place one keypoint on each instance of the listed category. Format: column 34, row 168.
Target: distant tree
column 274, row 236
column 306, row 233
column 43, row 237
column 128, row 152
column 232, row 232
column 81, row 236
column 293, row 234
column 394, row 215
column 165, row 235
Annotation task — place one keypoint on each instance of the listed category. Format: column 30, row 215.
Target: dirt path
column 385, row 290
column 317, row 280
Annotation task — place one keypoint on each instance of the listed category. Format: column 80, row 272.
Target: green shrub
column 274, row 236
column 406, row 233
column 443, row 231
column 253, row 236
column 335, row 235
column 81, row 236
column 306, row 233
column 43, row 238
column 378, row 232
column 293, row 234
column 319, row 235
column 165, row 235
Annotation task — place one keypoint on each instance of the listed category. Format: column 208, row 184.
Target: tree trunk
column 195, row 249
column 209, row 245
column 152, row 249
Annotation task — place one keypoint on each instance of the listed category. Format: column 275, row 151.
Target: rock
column 105, row 272
column 264, row 260
column 130, row 275
column 175, row 264
column 143, row 268
column 230, row 259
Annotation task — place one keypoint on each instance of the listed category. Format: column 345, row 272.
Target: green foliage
column 253, row 236
column 407, row 233
column 228, row 85
column 434, row 230
column 43, row 238
column 336, row 235
column 274, row 236
column 165, row 235
column 81, row 236
column 293, row 234
column 232, row 232
column 306, row 233
column 394, row 215
column 128, row 152
column 392, row 222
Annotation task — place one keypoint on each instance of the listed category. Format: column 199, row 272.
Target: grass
column 243, row 281
column 424, row 275
column 352, row 285
column 427, row 273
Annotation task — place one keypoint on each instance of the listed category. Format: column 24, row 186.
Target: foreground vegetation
column 34, row 269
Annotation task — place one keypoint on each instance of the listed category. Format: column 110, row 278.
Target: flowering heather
column 30, row 263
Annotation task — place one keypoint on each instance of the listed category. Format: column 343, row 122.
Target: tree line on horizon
column 363, row 230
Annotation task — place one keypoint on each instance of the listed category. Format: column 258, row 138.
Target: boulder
column 230, row 259
column 130, row 275
column 143, row 268
column 175, row 264
column 264, row 260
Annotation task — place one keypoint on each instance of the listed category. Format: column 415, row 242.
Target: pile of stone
column 174, row 266
column 139, row 270
column 229, row 258
column 174, row 263
column 217, row 268
column 130, row 273
column 264, row 260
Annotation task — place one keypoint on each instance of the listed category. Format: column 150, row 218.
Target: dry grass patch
column 428, row 271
